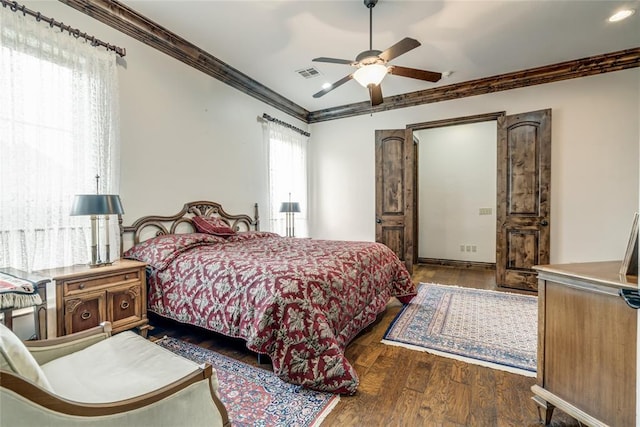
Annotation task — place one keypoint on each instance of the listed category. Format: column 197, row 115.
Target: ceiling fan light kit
column 371, row 74
column 372, row 64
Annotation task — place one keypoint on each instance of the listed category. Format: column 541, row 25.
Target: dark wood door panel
column 394, row 239
column 524, row 181
column 394, row 192
column 522, row 247
column 392, row 176
column 524, row 176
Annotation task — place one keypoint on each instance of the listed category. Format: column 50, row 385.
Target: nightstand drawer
column 82, row 285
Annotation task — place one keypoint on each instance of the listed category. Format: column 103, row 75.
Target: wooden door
column 524, row 175
column 395, row 162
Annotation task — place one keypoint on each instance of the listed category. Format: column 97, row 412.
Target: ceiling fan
column 373, row 65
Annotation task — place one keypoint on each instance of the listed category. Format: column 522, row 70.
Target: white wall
column 594, row 173
column 457, row 177
column 185, row 136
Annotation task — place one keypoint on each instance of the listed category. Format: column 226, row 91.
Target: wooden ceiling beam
column 615, row 61
column 133, row 24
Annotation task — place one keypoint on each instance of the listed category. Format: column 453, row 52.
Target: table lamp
column 95, row 205
column 290, row 208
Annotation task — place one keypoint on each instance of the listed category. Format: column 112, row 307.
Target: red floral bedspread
column 298, row 300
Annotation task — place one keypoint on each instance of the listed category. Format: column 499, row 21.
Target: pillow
column 250, row 235
column 159, row 251
column 15, row 357
column 211, row 225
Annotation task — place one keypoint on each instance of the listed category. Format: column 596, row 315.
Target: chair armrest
column 41, row 397
column 47, row 350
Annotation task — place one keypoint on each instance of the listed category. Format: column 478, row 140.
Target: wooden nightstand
column 85, row 297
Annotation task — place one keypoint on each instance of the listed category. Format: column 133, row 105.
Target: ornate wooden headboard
column 156, row 225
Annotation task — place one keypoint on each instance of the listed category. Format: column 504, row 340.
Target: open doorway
column 456, row 194
column 523, row 176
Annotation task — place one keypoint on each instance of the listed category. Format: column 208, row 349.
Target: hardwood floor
column 402, row 387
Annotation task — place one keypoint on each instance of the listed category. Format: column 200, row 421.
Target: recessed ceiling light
column 326, row 85
column 621, row 14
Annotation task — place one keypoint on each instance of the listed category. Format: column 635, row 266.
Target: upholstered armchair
column 93, row 378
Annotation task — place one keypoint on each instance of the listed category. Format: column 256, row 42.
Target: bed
column 299, row 301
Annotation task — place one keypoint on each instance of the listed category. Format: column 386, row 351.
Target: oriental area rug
column 257, row 397
column 488, row 328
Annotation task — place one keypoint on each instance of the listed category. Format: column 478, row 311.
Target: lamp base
column 95, row 261
column 97, row 264
column 95, row 257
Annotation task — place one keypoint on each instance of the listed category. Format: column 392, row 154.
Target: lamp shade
column 97, row 204
column 371, row 74
column 290, row 207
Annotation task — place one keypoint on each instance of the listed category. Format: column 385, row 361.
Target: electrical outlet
column 461, row 248
column 468, row 248
column 474, row 248
column 486, row 211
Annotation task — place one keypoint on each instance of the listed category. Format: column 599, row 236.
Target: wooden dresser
column 85, row 297
column 587, row 344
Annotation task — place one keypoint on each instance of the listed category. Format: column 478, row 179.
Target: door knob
column 544, row 222
column 378, row 221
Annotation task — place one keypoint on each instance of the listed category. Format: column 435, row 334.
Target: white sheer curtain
column 58, row 130
column 287, row 177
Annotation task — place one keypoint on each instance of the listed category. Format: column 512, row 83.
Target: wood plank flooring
column 402, row 387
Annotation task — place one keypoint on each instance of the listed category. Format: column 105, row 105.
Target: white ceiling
column 270, row 40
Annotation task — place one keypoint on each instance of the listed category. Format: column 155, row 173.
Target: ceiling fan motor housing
column 370, row 3
column 369, row 57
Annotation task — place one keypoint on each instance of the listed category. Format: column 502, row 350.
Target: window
column 58, row 130
column 287, row 178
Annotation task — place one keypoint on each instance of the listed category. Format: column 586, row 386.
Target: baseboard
column 458, row 263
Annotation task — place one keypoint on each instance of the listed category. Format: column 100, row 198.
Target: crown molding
column 130, row 22
column 606, row 63
column 133, row 24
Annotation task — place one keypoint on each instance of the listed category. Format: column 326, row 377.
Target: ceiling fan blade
column 413, row 73
column 333, row 86
column 375, row 93
column 333, row 60
column 403, row 46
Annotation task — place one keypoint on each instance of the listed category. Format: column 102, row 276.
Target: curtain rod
column 15, row 7
column 285, row 124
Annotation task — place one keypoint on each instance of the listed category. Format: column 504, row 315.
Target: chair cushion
column 15, row 357
column 120, row 367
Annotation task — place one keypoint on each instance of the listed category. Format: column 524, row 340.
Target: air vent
column 308, row 73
